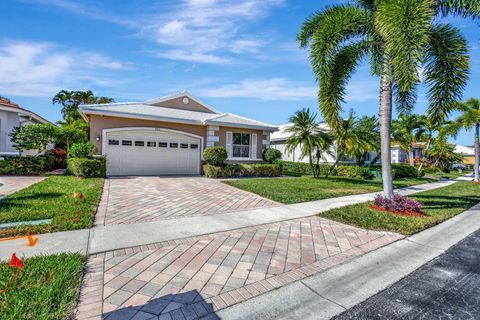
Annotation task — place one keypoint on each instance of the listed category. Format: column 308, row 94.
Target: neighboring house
column 401, row 156
column 168, row 135
column 278, row 140
column 11, row 116
column 468, row 153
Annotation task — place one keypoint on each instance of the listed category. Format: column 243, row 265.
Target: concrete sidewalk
column 329, row 293
column 107, row 238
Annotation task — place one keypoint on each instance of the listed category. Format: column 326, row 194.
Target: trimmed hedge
column 215, row 156
column 242, row 170
column 87, row 168
column 271, row 155
column 82, row 150
column 404, row 171
column 304, row 168
column 27, row 165
column 355, row 172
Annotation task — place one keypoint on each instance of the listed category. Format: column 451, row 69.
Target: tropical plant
column 82, row 150
column 470, row 119
column 306, row 134
column 407, row 130
column 33, row 137
column 67, row 135
column 70, row 100
column 442, row 154
column 401, row 38
column 369, row 140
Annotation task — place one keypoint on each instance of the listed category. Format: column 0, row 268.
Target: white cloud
column 275, row 89
column 199, row 28
column 40, row 69
column 204, row 31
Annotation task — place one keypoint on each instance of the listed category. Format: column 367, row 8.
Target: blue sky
column 239, row 56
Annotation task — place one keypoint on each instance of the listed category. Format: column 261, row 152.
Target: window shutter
column 253, row 154
column 229, row 139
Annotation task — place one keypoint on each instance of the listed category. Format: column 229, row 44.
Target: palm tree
column 470, row 119
column 348, row 138
column 70, row 100
column 406, row 130
column 442, row 154
column 429, row 126
column 369, row 139
column 306, row 135
column 401, row 38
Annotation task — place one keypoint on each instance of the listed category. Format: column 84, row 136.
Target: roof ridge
column 108, row 104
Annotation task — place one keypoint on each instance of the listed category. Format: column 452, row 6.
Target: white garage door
column 149, row 152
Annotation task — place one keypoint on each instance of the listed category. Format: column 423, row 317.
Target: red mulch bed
column 399, row 213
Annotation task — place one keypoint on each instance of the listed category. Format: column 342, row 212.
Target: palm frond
column 463, row 8
column 404, row 26
column 446, row 70
column 333, row 78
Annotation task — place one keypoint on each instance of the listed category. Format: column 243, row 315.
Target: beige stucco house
column 168, row 135
column 12, row 116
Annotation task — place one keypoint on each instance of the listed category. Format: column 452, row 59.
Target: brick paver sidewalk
column 193, row 277
column 142, row 199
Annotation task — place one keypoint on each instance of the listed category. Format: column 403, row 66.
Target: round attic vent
column 185, row 100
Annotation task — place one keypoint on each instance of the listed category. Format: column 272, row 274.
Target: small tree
column 68, row 135
column 33, row 137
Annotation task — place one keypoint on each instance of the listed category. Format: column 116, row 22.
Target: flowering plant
column 398, row 203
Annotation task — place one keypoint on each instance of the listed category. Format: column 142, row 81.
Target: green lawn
column 301, row 189
column 52, row 198
column 439, row 204
column 46, row 288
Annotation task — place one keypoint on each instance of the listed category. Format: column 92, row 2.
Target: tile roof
column 146, row 110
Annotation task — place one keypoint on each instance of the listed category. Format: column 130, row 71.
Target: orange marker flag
column 31, row 240
column 15, row 262
column 74, row 194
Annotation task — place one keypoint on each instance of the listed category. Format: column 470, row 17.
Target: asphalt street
column 447, row 287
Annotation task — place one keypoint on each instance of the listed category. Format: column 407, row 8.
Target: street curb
column 329, row 293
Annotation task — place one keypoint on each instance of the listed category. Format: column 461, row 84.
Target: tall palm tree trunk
column 424, row 155
column 411, row 161
column 477, row 153
column 385, row 120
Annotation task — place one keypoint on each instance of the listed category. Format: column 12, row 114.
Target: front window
column 241, row 145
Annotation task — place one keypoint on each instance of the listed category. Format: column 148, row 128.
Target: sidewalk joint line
column 321, row 296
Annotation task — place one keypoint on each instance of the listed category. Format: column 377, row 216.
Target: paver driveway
column 193, row 277
column 140, row 199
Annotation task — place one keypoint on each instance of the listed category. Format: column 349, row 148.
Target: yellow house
column 467, row 153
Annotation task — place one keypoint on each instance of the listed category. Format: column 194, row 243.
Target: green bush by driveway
column 242, row 170
column 88, row 168
column 52, row 198
column 27, row 165
column 45, row 289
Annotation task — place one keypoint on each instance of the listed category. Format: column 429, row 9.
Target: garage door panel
column 139, row 158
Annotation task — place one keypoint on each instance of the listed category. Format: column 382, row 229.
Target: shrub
column 225, row 171
column 27, row 165
column 86, row 168
column 271, row 155
column 398, row 203
column 59, row 158
column 242, row 170
column 215, row 156
column 404, row 171
column 304, row 168
column 82, row 150
column 355, row 172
